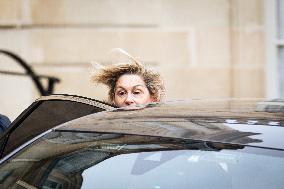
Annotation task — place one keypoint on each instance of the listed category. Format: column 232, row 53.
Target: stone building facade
column 202, row 48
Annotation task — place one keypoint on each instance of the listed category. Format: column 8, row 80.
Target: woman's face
column 131, row 90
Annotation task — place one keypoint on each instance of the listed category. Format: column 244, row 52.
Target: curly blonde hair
column 110, row 74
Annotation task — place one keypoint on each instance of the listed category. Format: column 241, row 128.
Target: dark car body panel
column 226, row 121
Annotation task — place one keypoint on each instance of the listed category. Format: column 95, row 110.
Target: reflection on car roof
column 227, row 121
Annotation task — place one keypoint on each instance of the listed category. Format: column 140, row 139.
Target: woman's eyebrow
column 138, row 86
column 134, row 87
column 119, row 87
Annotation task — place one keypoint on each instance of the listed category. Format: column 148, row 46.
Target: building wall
column 202, row 48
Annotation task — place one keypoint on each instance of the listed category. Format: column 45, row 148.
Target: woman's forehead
column 129, row 80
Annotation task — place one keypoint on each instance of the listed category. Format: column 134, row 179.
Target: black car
column 74, row 142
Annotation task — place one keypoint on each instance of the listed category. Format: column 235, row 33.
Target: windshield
column 102, row 160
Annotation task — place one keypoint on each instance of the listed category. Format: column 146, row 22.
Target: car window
column 105, row 160
column 187, row 169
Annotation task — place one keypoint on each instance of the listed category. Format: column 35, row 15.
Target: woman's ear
column 153, row 99
column 111, row 100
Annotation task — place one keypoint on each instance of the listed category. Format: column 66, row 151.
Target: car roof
column 250, row 122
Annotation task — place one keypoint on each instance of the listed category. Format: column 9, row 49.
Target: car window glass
column 187, row 169
column 98, row 160
column 47, row 115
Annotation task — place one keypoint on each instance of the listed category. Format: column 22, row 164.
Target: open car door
column 43, row 115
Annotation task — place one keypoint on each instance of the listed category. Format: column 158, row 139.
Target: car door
column 44, row 114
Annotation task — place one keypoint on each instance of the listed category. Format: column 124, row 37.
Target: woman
column 130, row 83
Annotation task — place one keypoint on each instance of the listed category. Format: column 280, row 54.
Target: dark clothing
column 4, row 123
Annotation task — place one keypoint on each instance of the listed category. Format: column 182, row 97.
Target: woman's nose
column 129, row 100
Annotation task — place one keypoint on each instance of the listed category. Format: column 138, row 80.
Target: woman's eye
column 121, row 93
column 137, row 92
